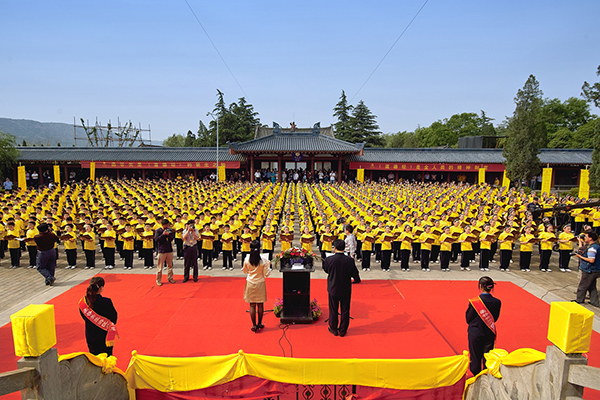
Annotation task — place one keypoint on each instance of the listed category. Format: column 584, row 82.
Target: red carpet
column 392, row 319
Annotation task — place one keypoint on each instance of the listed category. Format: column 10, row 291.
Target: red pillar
column 251, row 169
column 339, row 175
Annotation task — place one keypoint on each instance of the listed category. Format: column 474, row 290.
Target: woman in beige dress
column 255, row 292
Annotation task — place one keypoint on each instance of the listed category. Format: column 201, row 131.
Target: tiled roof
column 188, row 154
column 299, row 142
column 491, row 156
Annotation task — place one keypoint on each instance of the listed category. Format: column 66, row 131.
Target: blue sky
column 151, row 63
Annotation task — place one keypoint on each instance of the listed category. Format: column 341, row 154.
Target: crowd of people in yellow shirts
column 392, row 223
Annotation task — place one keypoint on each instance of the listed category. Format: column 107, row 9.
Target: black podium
column 296, row 294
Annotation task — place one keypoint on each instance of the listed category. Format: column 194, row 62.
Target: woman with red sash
column 482, row 314
column 100, row 318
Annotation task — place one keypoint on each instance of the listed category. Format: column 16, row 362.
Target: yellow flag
column 546, row 180
column 92, row 171
column 222, row 173
column 505, row 180
column 21, row 178
column 584, row 184
column 57, row 174
column 481, row 175
column 360, row 175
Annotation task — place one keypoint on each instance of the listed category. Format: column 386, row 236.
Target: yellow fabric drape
column 481, row 175
column 168, row 374
column 505, row 180
column 497, row 357
column 546, row 180
column 107, row 363
column 222, row 173
column 92, row 171
column 584, row 184
column 21, row 178
column 360, row 175
column 57, row 174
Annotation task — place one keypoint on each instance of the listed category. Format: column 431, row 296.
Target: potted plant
column 315, row 309
column 278, row 307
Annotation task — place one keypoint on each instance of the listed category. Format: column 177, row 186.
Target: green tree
column 220, row 107
column 174, row 140
column 24, row 143
column 342, row 111
column 526, row 134
column 487, row 128
column 8, row 152
column 190, row 140
column 592, row 92
column 364, row 126
column 237, row 123
column 437, row 135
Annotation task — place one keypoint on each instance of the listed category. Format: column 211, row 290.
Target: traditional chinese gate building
column 310, row 149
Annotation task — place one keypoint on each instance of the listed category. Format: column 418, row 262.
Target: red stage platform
column 392, row 319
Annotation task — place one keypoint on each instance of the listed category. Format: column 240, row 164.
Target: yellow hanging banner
column 360, row 175
column 222, row 173
column 584, row 184
column 57, row 175
column 92, row 171
column 505, row 180
column 21, row 178
column 481, row 175
column 546, row 180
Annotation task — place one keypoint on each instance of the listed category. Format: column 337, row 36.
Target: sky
column 151, row 62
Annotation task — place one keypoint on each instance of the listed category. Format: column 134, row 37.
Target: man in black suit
column 482, row 334
column 340, row 270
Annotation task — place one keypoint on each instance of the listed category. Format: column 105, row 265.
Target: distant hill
column 40, row 133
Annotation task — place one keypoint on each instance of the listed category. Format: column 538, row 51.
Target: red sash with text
column 100, row 321
column 484, row 313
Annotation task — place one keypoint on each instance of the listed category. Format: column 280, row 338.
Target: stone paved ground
column 22, row 286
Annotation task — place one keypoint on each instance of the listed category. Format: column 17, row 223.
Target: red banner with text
column 161, row 164
column 437, row 167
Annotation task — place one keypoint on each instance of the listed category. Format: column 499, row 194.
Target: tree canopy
column 8, row 152
column 356, row 124
column 526, row 133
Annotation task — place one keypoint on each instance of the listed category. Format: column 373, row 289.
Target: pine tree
column 342, row 111
column 364, row 127
column 190, row 139
column 526, row 134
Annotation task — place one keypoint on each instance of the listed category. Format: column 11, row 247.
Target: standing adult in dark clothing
column 190, row 251
column 46, row 253
column 589, row 265
column 482, row 314
column 340, row 270
column 100, row 318
column 164, row 241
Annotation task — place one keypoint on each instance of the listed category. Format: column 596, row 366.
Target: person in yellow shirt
column 368, row 238
column 109, row 236
column 30, row 242
column 326, row 239
column 267, row 239
column 89, row 246
column 386, row 248
column 128, row 244
column 307, row 239
column 506, row 240
column 207, row 247
column 485, row 248
column 526, row 249
column 148, row 245
column 227, row 240
column 14, row 246
column 466, row 248
column 547, row 239
column 406, row 239
column 565, row 248
column 286, row 238
column 446, row 241
column 178, row 228
column 70, row 241
column 455, row 231
column 426, row 240
column 245, row 239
